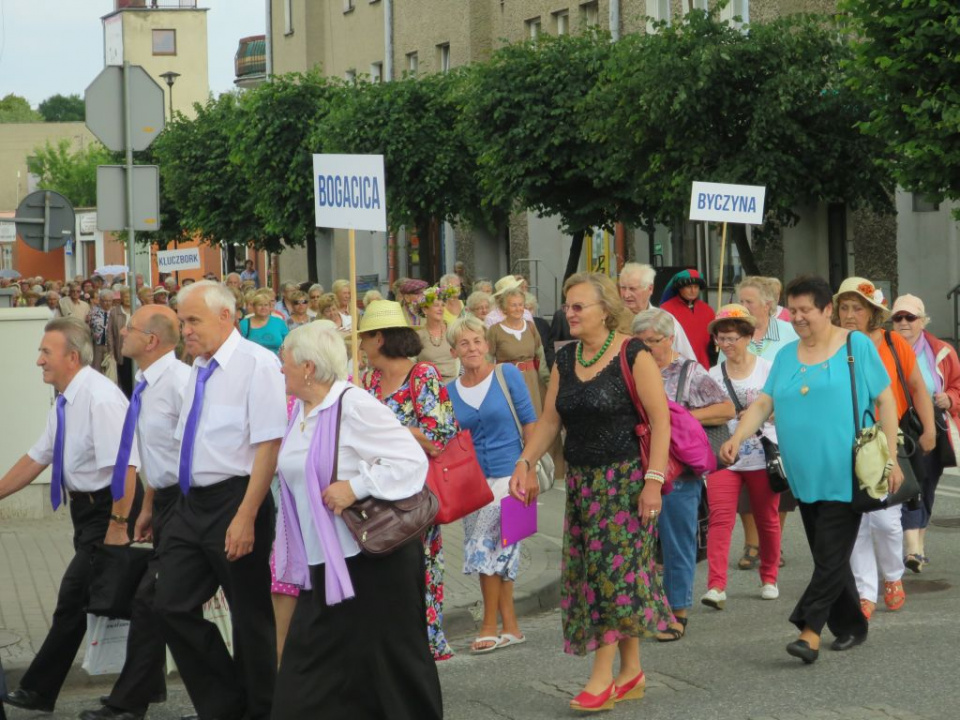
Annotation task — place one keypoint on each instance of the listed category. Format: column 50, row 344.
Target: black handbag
column 861, row 502
column 117, row 572
column 703, row 524
column 944, row 449
column 776, row 475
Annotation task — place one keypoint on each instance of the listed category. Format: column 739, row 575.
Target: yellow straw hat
column 507, row 282
column 381, row 315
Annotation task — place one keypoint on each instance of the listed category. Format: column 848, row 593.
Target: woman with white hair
column 515, row 340
column 357, row 645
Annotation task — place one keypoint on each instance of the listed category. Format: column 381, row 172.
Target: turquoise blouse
column 815, row 428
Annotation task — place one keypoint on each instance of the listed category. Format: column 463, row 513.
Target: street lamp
column 170, row 78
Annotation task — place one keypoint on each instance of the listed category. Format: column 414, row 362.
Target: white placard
column 719, row 202
column 169, row 261
column 350, row 192
column 8, row 232
column 88, row 223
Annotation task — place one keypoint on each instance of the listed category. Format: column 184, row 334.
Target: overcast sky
column 56, row 46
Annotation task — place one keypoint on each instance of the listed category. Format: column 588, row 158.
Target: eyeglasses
column 905, row 317
column 300, row 302
column 576, row 308
column 728, row 339
column 130, row 326
column 655, row 340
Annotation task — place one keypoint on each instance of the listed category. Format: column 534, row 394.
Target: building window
column 350, row 76
column 443, row 57
column 736, row 9
column 657, row 11
column 413, row 63
column 288, row 17
column 701, row 5
column 590, row 14
column 924, row 203
column 164, row 42
column 376, row 72
column 533, row 28
column 348, row 6
column 561, row 21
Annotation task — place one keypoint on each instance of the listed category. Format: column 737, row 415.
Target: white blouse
column 378, row 456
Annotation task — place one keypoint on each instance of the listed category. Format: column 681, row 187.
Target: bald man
column 149, row 338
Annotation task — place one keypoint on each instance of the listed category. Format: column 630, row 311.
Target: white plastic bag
column 216, row 611
column 106, row 645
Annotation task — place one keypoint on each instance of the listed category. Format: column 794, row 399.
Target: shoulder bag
column 382, row 526
column 910, row 424
column 871, row 459
column 776, row 475
column 716, row 434
column 545, row 465
column 455, row 475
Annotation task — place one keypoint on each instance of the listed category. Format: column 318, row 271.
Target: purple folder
column 516, row 521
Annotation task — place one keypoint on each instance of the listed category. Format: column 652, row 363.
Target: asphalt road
column 732, row 663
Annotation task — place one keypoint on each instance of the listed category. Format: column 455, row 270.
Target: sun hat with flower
column 865, row 289
column 732, row 311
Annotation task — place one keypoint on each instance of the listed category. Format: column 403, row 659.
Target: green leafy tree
column 524, row 107
column 63, row 108
column 766, row 107
column 272, row 147
column 72, row 173
column 16, row 109
column 905, row 56
column 210, row 193
column 430, row 167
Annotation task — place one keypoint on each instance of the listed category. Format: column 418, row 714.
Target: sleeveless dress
column 609, row 587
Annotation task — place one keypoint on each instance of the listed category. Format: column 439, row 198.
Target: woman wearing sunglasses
column 299, row 307
column 940, row 368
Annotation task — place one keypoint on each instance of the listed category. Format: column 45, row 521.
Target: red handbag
column 456, row 478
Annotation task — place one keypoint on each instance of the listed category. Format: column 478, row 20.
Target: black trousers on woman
column 367, row 657
column 831, row 598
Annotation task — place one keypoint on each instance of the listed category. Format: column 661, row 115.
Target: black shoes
column 847, row 642
column 28, row 700
column 801, row 649
column 158, row 698
column 107, row 712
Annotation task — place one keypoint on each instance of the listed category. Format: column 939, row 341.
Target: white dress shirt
column 161, row 402
column 244, row 404
column 680, row 342
column 377, row 455
column 93, row 417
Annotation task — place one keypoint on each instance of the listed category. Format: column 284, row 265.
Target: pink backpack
column 689, row 445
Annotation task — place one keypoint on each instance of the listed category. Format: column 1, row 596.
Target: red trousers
column 723, row 492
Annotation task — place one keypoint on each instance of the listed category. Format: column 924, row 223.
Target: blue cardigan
column 494, row 432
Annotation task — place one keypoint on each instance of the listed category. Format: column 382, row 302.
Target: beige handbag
column 109, row 367
column 545, row 465
column 872, row 463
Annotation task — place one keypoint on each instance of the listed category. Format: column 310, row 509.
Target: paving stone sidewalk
column 35, row 553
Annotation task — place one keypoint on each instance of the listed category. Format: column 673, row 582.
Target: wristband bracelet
column 655, row 477
column 524, row 460
column 119, row 519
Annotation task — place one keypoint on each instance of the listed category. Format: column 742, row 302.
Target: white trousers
column 878, row 551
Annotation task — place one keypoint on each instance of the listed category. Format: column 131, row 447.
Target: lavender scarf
column 290, row 554
column 925, row 354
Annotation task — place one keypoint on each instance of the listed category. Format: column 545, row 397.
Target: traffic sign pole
column 128, row 142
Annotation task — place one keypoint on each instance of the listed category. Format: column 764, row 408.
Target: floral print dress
column 422, row 402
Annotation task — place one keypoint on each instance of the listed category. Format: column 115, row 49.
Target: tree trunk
column 576, row 250
column 738, row 233
column 312, row 274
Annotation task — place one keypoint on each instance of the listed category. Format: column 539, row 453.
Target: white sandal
column 497, row 644
column 506, row 640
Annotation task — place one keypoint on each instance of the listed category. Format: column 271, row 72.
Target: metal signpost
column 124, row 107
column 45, row 220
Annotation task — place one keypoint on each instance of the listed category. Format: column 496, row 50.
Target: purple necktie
column 119, row 481
column 190, row 429
column 56, row 481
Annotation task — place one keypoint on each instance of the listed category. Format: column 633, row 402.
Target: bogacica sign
column 720, row 202
column 169, row 261
column 349, row 192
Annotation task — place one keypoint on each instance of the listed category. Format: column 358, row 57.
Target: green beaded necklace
column 588, row 363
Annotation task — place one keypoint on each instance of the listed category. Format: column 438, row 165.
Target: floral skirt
column 433, row 559
column 609, row 588
column 483, row 549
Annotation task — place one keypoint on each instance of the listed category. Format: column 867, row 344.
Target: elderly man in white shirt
column 80, row 442
column 150, row 339
column 636, row 287
column 220, row 533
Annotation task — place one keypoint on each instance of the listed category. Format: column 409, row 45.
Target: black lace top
column 598, row 414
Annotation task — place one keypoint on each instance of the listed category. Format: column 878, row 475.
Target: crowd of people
column 235, row 412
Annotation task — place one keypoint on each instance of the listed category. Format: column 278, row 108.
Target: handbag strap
column 853, row 386
column 733, row 394
column 903, row 382
column 682, row 381
column 631, row 384
column 502, row 382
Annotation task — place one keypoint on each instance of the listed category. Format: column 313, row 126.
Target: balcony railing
column 157, row 4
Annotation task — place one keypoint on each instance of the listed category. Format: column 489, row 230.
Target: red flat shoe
column 632, row 690
column 594, row 703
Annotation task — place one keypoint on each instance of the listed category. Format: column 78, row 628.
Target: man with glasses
column 636, row 287
column 73, row 305
column 150, row 339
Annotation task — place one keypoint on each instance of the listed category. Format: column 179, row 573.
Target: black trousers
column 831, row 598
column 367, row 657
column 142, row 679
column 192, row 564
column 90, row 513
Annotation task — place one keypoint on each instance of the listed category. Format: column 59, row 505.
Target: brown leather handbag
column 382, row 526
